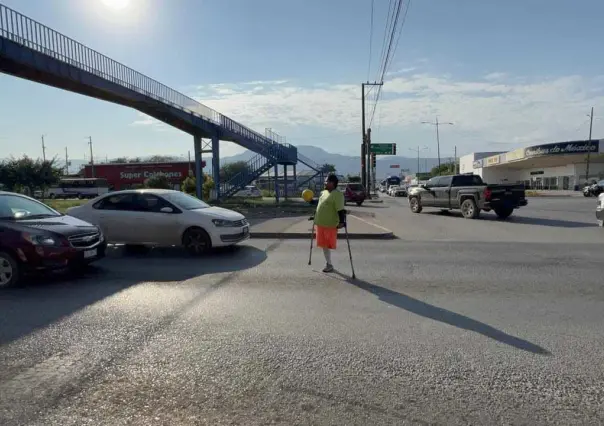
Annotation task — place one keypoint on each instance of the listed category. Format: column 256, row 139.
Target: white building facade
column 553, row 166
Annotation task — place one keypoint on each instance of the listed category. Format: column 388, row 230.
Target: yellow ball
column 307, row 195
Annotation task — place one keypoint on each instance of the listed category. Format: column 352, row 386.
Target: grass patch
column 63, row 205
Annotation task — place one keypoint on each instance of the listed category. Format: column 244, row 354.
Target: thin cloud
column 495, row 107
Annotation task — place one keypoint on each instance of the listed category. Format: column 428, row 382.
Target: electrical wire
column 370, row 39
column 392, row 35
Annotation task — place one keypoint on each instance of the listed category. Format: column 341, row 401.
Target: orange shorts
column 326, row 237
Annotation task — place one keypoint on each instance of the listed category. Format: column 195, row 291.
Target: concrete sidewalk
column 300, row 228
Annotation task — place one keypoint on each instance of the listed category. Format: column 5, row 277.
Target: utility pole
column 43, row 150
column 66, row 162
column 591, row 123
column 455, row 163
column 437, row 124
column 365, row 144
column 91, row 156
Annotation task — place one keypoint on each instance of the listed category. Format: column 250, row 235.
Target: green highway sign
column 383, row 148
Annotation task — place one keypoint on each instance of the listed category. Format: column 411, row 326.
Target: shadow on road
column 426, row 310
column 45, row 300
column 525, row 220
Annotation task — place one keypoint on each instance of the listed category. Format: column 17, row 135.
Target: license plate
column 89, row 253
column 246, row 230
column 508, row 192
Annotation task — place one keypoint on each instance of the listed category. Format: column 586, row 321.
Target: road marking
column 370, row 223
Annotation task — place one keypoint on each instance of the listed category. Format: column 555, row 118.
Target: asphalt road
column 462, row 329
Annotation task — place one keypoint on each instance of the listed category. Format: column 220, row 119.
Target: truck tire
column 469, row 210
column 415, row 205
column 504, row 212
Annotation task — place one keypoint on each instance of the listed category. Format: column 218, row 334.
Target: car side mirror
column 166, row 210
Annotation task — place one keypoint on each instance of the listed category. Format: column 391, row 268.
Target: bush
column 188, row 186
column 159, row 181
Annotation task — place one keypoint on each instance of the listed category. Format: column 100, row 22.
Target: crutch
column 312, row 237
column 349, row 252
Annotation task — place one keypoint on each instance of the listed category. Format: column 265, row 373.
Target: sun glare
column 116, row 4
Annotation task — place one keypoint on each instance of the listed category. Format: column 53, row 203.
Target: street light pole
column 591, row 122
column 418, row 166
column 437, row 124
column 91, row 156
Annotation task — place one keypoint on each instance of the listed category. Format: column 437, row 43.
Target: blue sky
column 507, row 73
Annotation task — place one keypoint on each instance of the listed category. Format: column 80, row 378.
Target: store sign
column 515, row 155
column 491, row 161
column 147, row 174
column 576, row 147
column 477, row 164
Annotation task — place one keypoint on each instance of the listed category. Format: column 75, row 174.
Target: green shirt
column 330, row 203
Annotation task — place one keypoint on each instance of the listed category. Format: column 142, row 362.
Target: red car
column 353, row 192
column 35, row 237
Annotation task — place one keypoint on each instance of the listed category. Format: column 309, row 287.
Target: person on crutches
column 330, row 216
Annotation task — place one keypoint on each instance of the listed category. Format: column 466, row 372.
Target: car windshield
column 15, row 207
column 185, row 201
column 355, row 186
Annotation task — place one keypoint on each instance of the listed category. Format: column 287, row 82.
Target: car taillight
column 487, row 194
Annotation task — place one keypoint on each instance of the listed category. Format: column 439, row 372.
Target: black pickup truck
column 468, row 193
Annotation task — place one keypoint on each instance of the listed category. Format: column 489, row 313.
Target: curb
column 306, row 236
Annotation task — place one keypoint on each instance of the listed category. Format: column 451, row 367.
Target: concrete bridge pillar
column 277, row 182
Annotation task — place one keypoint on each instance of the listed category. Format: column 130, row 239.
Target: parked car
column 35, row 237
column 250, row 191
column 163, row 217
column 353, row 192
column 468, row 193
column 600, row 210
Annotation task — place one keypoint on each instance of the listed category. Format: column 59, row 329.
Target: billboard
column 127, row 175
column 563, row 148
column 515, row 155
column 492, row 161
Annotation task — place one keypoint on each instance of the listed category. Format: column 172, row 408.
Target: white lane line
column 370, row 223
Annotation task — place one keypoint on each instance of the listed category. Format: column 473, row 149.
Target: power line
column 370, row 39
column 388, row 53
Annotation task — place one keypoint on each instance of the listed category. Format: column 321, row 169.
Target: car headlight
column 222, row 223
column 42, row 240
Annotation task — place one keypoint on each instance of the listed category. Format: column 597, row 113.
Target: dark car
column 353, row 192
column 35, row 237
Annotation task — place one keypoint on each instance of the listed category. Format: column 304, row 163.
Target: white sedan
column 163, row 217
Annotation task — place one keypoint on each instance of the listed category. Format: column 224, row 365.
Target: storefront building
column 133, row 175
column 553, row 166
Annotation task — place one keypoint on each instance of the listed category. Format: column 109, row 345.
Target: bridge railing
column 23, row 30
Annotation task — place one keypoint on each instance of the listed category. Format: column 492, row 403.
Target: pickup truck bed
column 469, row 194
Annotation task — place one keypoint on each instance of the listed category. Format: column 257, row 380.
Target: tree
column 158, row 181
column 353, row 179
column 26, row 174
column 228, row 171
column 188, row 186
column 329, row 168
column 447, row 168
column 161, row 159
column 125, row 160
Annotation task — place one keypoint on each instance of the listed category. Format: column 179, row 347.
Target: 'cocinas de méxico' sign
column 561, row 148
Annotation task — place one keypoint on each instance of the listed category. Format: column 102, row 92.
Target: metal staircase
column 33, row 51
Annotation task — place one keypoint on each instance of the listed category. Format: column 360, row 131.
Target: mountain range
column 344, row 164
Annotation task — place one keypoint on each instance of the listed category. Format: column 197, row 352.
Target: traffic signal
column 373, row 158
column 393, row 149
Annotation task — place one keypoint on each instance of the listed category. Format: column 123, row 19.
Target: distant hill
column 350, row 164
